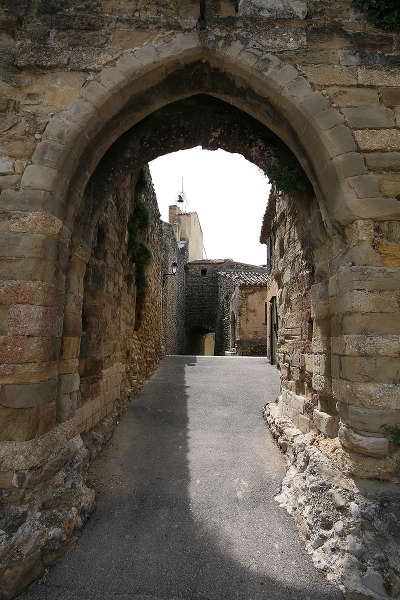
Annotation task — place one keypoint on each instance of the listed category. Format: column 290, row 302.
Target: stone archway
column 176, row 67
column 352, row 280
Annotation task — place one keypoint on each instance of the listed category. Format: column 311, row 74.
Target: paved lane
column 185, row 506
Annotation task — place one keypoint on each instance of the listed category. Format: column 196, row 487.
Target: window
column 270, row 250
column 203, row 272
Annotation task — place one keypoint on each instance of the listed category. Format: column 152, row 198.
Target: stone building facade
column 173, row 293
column 287, row 221
column 81, row 79
column 187, row 230
column 305, row 418
column 227, row 299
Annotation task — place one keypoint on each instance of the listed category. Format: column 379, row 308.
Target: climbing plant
column 138, row 250
column 394, row 433
column 283, row 170
column 383, row 13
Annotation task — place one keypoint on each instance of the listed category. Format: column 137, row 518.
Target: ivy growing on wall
column 383, row 13
column 138, row 250
column 394, row 433
column 283, row 170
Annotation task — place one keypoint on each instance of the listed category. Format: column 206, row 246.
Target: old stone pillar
column 365, row 348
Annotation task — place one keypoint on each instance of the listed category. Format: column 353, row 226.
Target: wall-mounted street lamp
column 174, row 268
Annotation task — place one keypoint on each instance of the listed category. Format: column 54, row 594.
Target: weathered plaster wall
column 252, row 324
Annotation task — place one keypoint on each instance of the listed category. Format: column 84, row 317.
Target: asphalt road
column 185, row 505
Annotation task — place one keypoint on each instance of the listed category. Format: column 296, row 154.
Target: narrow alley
column 185, row 497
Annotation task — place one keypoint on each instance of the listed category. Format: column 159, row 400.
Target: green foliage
column 394, row 432
column 286, row 174
column 138, row 251
column 383, row 13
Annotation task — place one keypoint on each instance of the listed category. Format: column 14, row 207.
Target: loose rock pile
column 42, row 524
column 351, row 529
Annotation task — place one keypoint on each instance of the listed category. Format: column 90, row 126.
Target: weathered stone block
column 28, row 395
column 18, row 245
column 327, row 75
column 382, row 77
column 39, row 177
column 68, row 383
column 368, row 419
column 366, row 345
column 390, row 185
column 391, row 96
column 273, row 9
column 322, row 384
column 66, row 406
column 380, row 324
column 350, row 96
column 23, row 349
column 70, row 347
column 365, row 186
column 72, row 325
column 4, row 312
column 369, row 117
column 321, row 364
column 339, row 140
column 369, row 395
column 369, row 445
column 378, row 139
column 30, row 292
column 385, row 369
column 6, row 166
column 350, row 164
column 304, row 423
column 363, row 301
column 383, row 161
column 26, row 319
column 325, row 423
column 26, row 423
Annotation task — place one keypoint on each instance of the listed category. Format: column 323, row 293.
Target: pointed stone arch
column 123, row 94
column 275, row 93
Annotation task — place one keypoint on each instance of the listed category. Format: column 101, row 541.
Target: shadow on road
column 185, row 505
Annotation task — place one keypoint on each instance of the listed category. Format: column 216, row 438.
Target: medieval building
column 225, row 303
column 210, row 307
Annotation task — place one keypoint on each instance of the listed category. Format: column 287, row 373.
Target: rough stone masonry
column 83, row 81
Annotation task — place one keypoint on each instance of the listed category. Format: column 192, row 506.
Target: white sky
column 229, row 194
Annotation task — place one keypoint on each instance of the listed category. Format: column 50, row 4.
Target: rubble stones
column 353, row 538
column 273, row 9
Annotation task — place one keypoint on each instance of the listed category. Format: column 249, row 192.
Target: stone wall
column 292, row 272
column 78, row 78
column 46, row 501
column 173, row 294
column 201, row 299
column 348, row 525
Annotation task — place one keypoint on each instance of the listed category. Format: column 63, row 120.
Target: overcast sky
column 228, row 193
